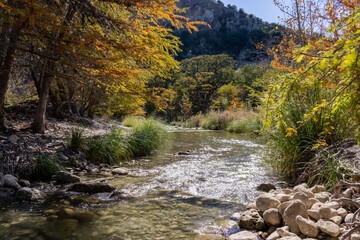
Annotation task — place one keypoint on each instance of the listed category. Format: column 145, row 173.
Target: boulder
column 307, row 227
column 28, row 194
column 317, row 189
column 327, row 213
column 265, row 187
column 251, row 220
column 92, row 187
column 328, row 227
column 296, row 208
column 13, row 139
column 282, row 197
column 323, row 196
column 243, row 235
column 272, row 217
column 120, row 171
column 334, row 205
column 11, row 182
column 283, row 206
column 303, row 198
column 349, row 218
column 120, row 194
column 336, row 219
column 314, row 214
column 266, row 201
column 355, row 236
column 6, row 192
column 63, row 177
column 342, row 212
column 24, row 183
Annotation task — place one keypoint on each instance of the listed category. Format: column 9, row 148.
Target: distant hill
column 232, row 32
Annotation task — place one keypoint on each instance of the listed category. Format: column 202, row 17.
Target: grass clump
column 46, row 167
column 146, row 136
column 76, row 140
column 132, row 121
column 245, row 125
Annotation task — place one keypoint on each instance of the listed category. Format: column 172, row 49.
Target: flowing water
column 183, row 190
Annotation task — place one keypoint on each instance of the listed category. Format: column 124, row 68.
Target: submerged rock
column 92, row 187
column 65, row 178
column 61, row 229
column 120, row 171
column 120, row 194
column 265, row 187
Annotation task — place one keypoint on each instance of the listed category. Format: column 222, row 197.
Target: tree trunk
column 5, row 68
column 39, row 121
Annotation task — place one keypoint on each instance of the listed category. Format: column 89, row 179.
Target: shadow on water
column 180, row 191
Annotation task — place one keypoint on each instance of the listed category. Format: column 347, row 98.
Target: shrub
column 76, row 140
column 46, row 167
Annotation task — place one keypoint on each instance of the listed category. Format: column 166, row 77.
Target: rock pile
column 298, row 213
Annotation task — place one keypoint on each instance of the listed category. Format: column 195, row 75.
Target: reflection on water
column 199, row 177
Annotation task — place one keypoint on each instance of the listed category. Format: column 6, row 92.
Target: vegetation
column 46, row 167
column 145, row 137
column 76, row 140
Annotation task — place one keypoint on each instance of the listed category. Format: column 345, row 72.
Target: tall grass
column 132, row 121
column 76, row 140
column 46, row 167
column 241, row 121
column 291, row 152
column 146, row 136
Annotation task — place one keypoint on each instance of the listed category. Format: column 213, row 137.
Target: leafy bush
column 46, row 167
column 76, row 140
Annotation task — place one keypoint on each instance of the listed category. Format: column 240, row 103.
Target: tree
column 111, row 46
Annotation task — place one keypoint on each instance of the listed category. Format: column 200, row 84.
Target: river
column 187, row 188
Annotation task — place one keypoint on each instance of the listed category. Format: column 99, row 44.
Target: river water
column 187, row 188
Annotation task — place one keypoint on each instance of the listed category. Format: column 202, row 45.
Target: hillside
column 232, row 31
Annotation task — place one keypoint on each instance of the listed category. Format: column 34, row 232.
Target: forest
column 92, row 91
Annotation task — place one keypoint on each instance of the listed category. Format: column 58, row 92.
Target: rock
column 209, row 237
column 243, row 235
column 229, row 224
column 303, row 198
column 120, row 171
column 13, row 139
column 273, row 236
column 317, row 189
column 1, row 180
column 120, row 194
column 342, row 212
column 92, row 187
column 63, row 177
column 11, row 182
column 251, row 206
column 334, row 205
column 272, row 217
column 282, row 197
column 317, row 206
column 327, row 213
column 251, row 220
column 314, row 214
column 347, row 193
column 24, row 193
column 302, row 188
column 323, row 196
column 288, row 191
column 355, row 236
column 265, row 187
column 6, row 192
column 24, row 183
column 283, row 206
column 307, row 227
column 336, row 219
column 235, row 216
column 296, row 208
column 284, row 232
column 328, row 227
column 266, row 201
column 290, row 238
column 61, row 229
column 349, row 218
column 84, row 216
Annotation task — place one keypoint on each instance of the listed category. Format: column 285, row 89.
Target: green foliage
column 245, row 125
column 145, row 137
column 132, row 121
column 76, row 140
column 46, row 167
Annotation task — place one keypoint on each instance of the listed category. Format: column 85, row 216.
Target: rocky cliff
column 232, row 31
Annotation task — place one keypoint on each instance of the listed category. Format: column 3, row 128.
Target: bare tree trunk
column 5, row 68
column 39, row 120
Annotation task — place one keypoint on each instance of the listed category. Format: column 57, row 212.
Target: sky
column 264, row 9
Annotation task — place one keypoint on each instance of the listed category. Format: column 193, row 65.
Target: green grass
column 46, row 167
column 146, row 136
column 245, row 125
column 132, row 121
column 76, row 140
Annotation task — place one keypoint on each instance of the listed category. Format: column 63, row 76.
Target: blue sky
column 264, row 9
